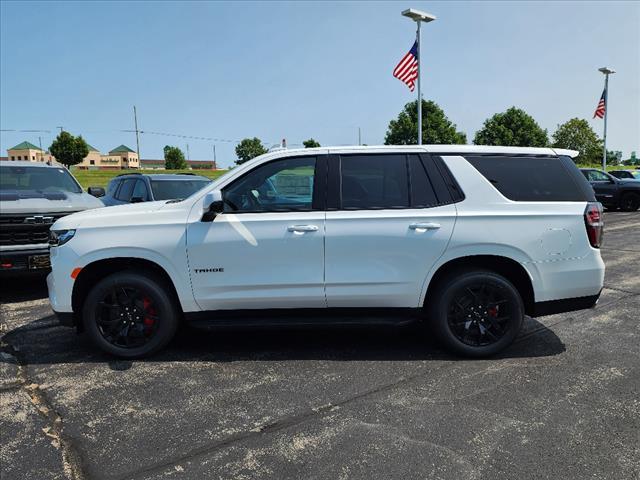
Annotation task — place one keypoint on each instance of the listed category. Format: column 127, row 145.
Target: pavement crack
column 275, row 426
column 71, row 458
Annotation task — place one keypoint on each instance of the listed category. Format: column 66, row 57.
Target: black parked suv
column 137, row 187
column 614, row 192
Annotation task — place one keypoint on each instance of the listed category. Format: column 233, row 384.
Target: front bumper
column 18, row 260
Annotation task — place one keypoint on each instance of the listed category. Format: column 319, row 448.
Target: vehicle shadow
column 22, row 287
column 43, row 342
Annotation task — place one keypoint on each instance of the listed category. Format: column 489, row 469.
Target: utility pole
column 135, row 121
column 359, row 137
column 61, row 129
column 188, row 156
column 215, row 163
column 41, row 151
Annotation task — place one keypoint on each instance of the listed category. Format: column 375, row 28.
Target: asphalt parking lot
column 563, row 401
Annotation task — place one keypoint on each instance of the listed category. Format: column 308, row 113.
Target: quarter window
column 280, row 186
column 422, row 192
column 528, row 179
column 374, row 182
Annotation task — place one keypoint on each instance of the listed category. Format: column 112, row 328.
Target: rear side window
column 422, row 192
column 374, row 181
column 529, row 178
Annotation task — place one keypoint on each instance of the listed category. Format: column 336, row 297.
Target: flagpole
column 606, row 111
column 607, row 72
column 419, row 89
column 419, row 17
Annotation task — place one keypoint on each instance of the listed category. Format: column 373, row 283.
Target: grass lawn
column 100, row 178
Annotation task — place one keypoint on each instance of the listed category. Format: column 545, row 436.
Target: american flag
column 407, row 70
column 601, row 107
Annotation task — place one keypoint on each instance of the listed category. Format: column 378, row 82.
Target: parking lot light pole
column 419, row 17
column 607, row 72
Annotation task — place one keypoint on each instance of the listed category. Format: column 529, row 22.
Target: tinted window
column 126, row 189
column 41, row 179
column 112, row 187
column 596, row 176
column 174, row 189
column 534, row 179
column 140, row 191
column 422, row 193
column 279, row 186
column 374, row 181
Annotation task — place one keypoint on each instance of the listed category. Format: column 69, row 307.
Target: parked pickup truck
column 32, row 197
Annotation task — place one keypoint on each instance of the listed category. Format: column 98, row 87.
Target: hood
column 629, row 182
column 33, row 201
column 127, row 214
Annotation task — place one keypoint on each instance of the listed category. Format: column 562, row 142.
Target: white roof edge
column 564, row 151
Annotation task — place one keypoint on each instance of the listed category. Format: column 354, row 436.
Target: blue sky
column 297, row 70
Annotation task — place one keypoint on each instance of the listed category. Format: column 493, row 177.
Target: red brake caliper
column 148, row 309
column 493, row 311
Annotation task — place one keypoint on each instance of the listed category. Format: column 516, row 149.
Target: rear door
column 389, row 218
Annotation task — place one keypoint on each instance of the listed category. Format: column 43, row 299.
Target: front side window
column 112, row 187
column 40, row 179
column 124, row 194
column 374, row 182
column 140, row 191
column 280, row 186
column 596, row 176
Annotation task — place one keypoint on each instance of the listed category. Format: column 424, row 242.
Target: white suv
column 466, row 239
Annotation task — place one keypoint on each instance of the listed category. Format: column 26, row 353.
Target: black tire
column 629, row 202
column 475, row 313
column 138, row 305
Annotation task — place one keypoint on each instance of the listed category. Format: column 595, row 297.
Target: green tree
column 249, row 148
column 69, row 150
column 512, row 128
column 311, row 143
column 436, row 127
column 174, row 158
column 577, row 134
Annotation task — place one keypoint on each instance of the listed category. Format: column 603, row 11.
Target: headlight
column 60, row 237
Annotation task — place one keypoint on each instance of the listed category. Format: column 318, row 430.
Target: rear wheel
column 130, row 315
column 476, row 313
column 630, row 202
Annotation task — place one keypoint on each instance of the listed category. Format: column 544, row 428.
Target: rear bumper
column 540, row 309
column 18, row 260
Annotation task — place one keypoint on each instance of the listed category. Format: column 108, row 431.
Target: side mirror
column 96, row 191
column 136, row 200
column 213, row 206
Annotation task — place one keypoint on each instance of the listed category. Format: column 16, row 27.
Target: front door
column 394, row 221
column 605, row 188
column 267, row 249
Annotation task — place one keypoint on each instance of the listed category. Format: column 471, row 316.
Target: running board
column 311, row 317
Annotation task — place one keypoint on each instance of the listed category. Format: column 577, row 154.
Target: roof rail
column 185, row 173
column 132, row 173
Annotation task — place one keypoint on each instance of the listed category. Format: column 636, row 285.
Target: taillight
column 595, row 223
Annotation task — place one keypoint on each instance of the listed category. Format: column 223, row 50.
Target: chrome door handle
column 424, row 226
column 302, row 228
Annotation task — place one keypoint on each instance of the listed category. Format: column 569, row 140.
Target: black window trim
column 318, row 200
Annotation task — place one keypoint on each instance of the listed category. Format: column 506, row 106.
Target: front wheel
column 476, row 313
column 630, row 202
column 130, row 315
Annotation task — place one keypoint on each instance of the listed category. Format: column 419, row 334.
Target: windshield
column 636, row 174
column 172, row 189
column 40, row 179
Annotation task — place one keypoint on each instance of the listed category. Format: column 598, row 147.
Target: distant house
column 151, row 164
column 119, row 158
column 28, row 151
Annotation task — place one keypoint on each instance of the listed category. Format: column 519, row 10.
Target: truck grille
column 27, row 229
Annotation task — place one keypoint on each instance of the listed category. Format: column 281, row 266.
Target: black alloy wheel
column 130, row 314
column 475, row 313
